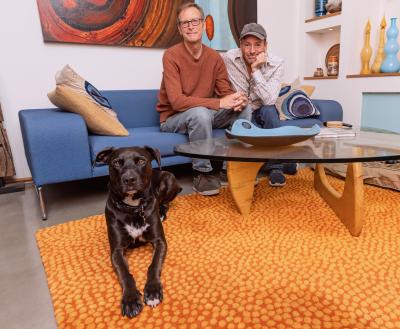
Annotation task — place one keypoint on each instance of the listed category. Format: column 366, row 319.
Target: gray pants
column 198, row 123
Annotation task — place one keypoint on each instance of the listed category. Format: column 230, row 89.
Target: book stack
column 336, row 132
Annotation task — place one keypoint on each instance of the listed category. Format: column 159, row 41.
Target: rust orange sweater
column 188, row 82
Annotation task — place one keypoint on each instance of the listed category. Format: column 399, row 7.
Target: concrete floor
column 24, row 295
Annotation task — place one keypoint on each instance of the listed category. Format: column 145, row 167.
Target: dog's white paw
column 153, row 302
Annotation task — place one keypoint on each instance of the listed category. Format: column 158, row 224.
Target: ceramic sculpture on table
column 366, row 52
column 380, row 56
column 391, row 63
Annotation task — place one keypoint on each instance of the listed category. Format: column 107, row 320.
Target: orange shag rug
column 290, row 264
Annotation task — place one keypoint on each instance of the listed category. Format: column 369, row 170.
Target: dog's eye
column 140, row 162
column 118, row 162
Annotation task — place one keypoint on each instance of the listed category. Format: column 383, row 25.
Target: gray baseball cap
column 254, row 29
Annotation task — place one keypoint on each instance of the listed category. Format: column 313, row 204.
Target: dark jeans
column 267, row 117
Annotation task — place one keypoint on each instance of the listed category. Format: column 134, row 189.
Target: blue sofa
column 59, row 148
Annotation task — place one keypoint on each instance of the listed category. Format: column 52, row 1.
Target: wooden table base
column 241, row 178
column 348, row 206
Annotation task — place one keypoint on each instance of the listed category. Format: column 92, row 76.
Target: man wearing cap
column 195, row 94
column 258, row 73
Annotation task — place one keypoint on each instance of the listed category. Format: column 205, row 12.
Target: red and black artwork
column 131, row 23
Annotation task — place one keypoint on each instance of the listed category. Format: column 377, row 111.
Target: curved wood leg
column 241, row 178
column 348, row 206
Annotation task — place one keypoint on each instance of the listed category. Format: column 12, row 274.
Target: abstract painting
column 225, row 19
column 140, row 23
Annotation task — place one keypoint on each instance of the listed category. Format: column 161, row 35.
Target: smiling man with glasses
column 195, row 94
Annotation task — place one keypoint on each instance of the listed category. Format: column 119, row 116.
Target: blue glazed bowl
column 247, row 132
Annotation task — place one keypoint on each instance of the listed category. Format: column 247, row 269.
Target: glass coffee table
column 244, row 162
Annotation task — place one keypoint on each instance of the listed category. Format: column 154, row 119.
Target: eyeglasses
column 194, row 22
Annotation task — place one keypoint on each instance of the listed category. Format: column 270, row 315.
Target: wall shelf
column 373, row 75
column 322, row 17
column 321, row 78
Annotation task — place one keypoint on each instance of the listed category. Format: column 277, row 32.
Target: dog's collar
column 132, row 202
column 130, row 208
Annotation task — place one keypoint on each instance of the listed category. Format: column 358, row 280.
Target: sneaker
column 206, row 183
column 223, row 178
column 276, row 178
column 290, row 168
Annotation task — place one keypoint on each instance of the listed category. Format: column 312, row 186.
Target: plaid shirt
column 263, row 87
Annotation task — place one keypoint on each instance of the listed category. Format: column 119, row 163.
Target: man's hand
column 260, row 60
column 233, row 101
column 243, row 104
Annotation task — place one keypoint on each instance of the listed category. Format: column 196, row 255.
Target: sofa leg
column 39, row 192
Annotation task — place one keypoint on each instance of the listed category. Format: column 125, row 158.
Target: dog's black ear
column 103, row 156
column 155, row 153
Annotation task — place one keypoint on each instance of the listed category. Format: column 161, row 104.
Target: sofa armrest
column 330, row 110
column 56, row 145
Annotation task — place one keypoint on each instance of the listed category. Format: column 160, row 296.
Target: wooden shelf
column 322, row 17
column 373, row 75
column 321, row 78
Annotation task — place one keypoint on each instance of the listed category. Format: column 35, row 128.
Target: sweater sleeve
column 222, row 84
column 178, row 100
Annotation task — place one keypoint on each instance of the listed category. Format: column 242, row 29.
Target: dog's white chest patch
column 136, row 232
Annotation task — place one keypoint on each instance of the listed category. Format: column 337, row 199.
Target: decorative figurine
column 380, row 56
column 366, row 52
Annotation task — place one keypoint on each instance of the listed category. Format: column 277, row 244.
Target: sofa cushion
column 75, row 94
column 293, row 103
column 151, row 136
column 135, row 108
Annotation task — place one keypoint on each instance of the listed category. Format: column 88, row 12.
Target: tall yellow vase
column 380, row 56
column 366, row 52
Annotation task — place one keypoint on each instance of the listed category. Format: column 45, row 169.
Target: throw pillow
column 294, row 103
column 75, row 94
column 97, row 120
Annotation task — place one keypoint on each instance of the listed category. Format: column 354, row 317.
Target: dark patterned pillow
column 293, row 103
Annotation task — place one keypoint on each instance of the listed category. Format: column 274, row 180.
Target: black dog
column 138, row 197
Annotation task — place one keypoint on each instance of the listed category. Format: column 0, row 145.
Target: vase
column 366, row 51
column 380, row 56
column 391, row 63
column 320, row 9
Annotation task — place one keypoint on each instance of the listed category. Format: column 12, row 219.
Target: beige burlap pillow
column 98, row 120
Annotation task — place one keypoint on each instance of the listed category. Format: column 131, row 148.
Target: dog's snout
column 129, row 180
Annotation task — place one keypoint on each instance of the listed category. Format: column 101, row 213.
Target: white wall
column 281, row 20
column 28, row 65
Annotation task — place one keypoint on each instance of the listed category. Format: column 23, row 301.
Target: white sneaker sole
column 277, row 184
column 207, row 193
